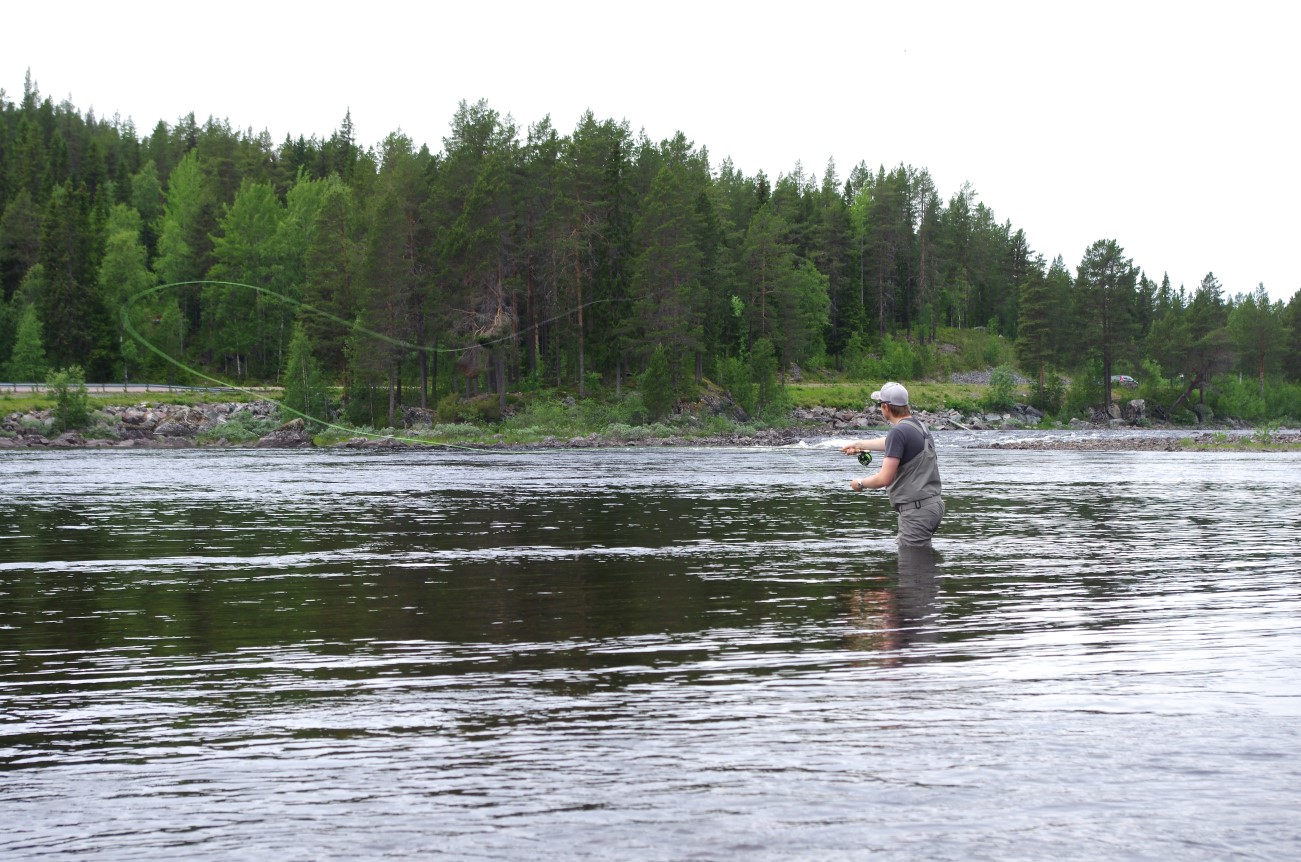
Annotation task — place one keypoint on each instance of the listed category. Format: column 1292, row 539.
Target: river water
column 647, row 654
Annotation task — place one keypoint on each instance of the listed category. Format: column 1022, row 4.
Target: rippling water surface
column 647, row 654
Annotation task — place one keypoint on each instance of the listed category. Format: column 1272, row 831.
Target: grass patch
column 855, row 396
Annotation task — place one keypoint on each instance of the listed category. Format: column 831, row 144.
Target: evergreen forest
column 586, row 261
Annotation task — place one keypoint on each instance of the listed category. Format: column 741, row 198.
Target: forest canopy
column 534, row 256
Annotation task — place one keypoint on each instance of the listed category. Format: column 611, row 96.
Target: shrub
column 1049, row 397
column 1283, row 400
column 450, row 409
column 1265, row 433
column 1085, row 392
column 1240, row 399
column 102, row 427
column 734, row 376
column 1002, row 389
column 68, row 388
column 240, row 427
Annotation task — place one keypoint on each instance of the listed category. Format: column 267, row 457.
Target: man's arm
column 876, row 444
column 880, row 479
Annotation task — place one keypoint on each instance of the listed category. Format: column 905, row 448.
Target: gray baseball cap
column 892, row 393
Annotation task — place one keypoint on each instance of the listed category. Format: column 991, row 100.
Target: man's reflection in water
column 902, row 611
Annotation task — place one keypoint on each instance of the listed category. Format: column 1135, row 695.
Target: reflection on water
column 900, row 611
column 637, row 654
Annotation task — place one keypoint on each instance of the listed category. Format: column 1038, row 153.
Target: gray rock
column 170, row 428
column 291, row 435
column 1135, row 410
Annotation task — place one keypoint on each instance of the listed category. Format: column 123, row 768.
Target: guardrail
column 112, row 388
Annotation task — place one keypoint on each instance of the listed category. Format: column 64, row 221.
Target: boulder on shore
column 291, row 435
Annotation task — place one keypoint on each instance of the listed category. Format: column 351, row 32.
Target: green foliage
column 902, row 360
column 1002, row 389
column 993, row 351
column 305, row 390
column 501, row 239
column 27, row 363
column 971, row 349
column 1283, row 401
column 1264, row 434
column 734, row 377
column 857, row 360
column 71, row 401
column 241, row 426
column 1085, row 392
column 450, row 409
column 567, row 417
column 770, row 398
column 1049, row 397
column 365, row 401
column 897, row 359
column 8, row 332
column 454, row 409
column 1238, row 398
column 657, row 385
column 960, row 404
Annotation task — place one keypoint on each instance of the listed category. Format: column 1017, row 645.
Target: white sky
column 1169, row 127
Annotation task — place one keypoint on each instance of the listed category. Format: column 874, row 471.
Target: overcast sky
column 1169, row 127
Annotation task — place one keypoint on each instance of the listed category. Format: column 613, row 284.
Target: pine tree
column 1105, row 284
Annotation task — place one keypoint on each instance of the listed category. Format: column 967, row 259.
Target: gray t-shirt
column 904, row 441
column 919, row 473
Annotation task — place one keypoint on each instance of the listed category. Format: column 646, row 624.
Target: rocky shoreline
column 255, row 425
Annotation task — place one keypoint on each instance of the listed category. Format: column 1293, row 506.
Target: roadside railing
column 115, row 388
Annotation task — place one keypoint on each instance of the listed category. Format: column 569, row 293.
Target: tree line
column 514, row 257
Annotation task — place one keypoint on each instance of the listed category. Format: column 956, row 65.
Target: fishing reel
column 865, row 458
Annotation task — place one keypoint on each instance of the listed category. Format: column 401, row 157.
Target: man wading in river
column 909, row 468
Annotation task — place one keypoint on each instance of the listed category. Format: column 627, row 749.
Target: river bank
column 258, row 425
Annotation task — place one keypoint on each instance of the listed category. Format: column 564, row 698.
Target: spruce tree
column 1257, row 328
column 1035, row 325
column 1292, row 336
column 657, row 385
column 27, row 363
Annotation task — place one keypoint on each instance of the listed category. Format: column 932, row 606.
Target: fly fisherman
column 909, row 468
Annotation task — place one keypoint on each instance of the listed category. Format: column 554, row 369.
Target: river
column 647, row 654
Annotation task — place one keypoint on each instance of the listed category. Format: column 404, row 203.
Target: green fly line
column 864, row 458
column 350, row 325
